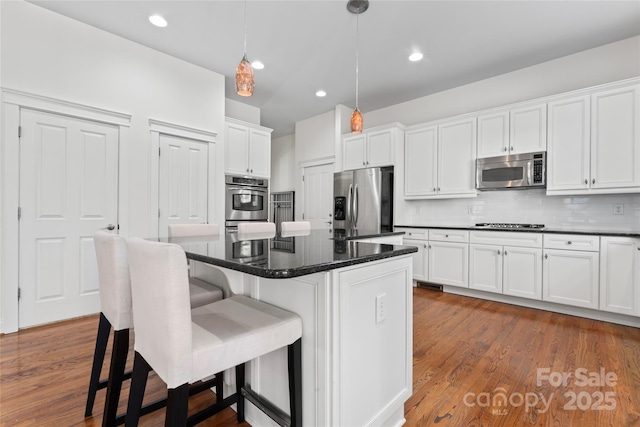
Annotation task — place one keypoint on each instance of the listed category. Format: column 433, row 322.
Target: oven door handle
column 249, row 189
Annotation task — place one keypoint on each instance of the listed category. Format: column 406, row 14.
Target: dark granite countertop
column 285, row 257
column 343, row 234
column 549, row 230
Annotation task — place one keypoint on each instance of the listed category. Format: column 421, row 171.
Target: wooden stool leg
column 295, row 382
column 138, row 383
column 104, row 327
column 116, row 376
column 239, row 385
column 177, row 406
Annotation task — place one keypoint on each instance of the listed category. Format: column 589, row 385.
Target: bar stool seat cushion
column 203, row 293
column 237, row 329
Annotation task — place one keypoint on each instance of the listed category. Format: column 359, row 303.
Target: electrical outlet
column 381, row 313
column 618, row 209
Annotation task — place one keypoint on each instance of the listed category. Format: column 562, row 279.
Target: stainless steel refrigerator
column 363, row 200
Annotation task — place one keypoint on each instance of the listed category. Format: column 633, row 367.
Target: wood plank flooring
column 468, row 354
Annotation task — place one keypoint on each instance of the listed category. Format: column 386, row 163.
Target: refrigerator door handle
column 349, row 218
column 355, row 206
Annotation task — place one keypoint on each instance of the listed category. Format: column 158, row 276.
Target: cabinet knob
column 511, row 148
column 505, row 148
column 438, row 189
column 593, row 181
column 425, row 246
column 546, row 256
column 251, row 170
column 505, row 252
column 569, row 242
column 446, row 235
column 434, row 189
column 364, row 163
column 247, row 169
column 429, row 246
column 498, row 251
column 586, row 181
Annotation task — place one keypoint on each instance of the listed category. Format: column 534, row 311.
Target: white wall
column 283, row 164
column 241, row 111
column 315, row 137
column 47, row 54
column 612, row 62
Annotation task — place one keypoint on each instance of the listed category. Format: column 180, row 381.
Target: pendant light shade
column 244, row 78
column 357, row 7
column 356, row 121
column 244, row 73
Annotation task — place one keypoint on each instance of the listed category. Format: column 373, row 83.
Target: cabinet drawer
column 449, row 235
column 506, row 238
column 415, row 233
column 577, row 242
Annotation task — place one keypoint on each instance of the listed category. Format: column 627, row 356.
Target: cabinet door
column 237, row 149
column 615, row 138
column 522, row 272
column 380, row 148
column 528, row 129
column 485, row 268
column 568, row 153
column 420, row 261
column 571, row 277
column 420, row 162
column 259, row 153
column 353, row 152
column 618, row 275
column 457, row 157
column 493, row 134
column 449, row 263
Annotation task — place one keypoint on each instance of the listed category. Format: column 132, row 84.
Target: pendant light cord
column 245, row 27
column 357, row 52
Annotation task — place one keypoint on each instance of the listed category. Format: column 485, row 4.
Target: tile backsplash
column 593, row 212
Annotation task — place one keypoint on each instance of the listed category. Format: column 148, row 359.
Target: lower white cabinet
column 620, row 275
column 571, row 276
column 506, row 263
column 420, row 259
column 449, row 257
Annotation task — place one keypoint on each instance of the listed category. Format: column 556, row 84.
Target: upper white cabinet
column 594, row 143
column 620, row 275
column 440, row 160
column 519, row 130
column 373, row 148
column 248, row 149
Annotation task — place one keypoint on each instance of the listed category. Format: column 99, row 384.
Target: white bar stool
column 183, row 345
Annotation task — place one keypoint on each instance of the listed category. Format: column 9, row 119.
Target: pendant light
column 357, row 7
column 244, row 72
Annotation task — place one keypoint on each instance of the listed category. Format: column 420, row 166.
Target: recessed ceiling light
column 416, row 56
column 158, row 21
column 321, row 93
column 257, row 65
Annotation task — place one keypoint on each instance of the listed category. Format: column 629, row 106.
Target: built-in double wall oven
column 247, row 199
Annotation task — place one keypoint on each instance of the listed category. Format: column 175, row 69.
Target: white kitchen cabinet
column 248, row 149
column 620, row 275
column 594, row 143
column 506, row 262
column 449, row 257
column 418, row 237
column 519, row 130
column 493, row 134
column 571, row 276
column 440, row 161
column 373, row 148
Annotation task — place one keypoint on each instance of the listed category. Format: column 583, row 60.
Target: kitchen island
column 355, row 301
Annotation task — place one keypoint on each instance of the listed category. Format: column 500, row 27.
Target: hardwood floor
column 466, row 353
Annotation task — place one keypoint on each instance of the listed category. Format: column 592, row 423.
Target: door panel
column 317, row 200
column 182, row 182
column 68, row 190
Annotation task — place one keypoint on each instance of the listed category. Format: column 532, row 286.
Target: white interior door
column 182, row 181
column 317, row 206
column 68, row 190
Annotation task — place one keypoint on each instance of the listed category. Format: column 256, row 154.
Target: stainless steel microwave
column 517, row 171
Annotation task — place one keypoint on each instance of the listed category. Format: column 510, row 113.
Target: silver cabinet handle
column 109, row 227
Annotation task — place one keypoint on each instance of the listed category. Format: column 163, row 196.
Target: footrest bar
column 275, row 413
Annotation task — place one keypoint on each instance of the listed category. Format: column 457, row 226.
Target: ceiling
column 308, row 45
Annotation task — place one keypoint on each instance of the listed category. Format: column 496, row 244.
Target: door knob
column 109, row 227
column 329, row 222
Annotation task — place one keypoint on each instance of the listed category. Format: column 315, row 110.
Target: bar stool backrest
column 188, row 230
